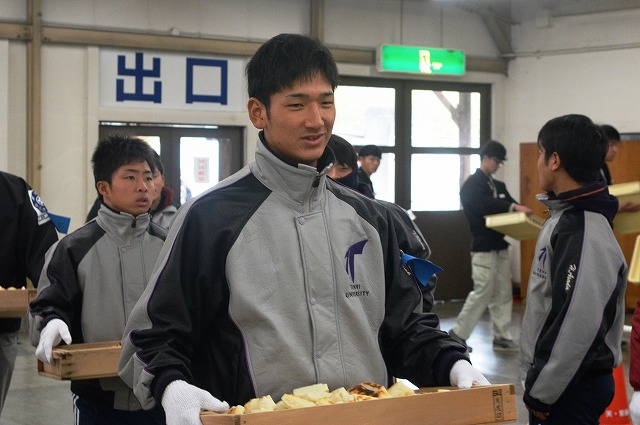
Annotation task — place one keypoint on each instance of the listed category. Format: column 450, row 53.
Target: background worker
column 26, row 235
column 369, row 157
column 613, row 137
column 483, row 195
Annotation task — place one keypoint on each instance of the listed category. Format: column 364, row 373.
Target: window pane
column 384, row 180
column 199, row 165
column 445, row 119
column 365, row 115
column 436, row 180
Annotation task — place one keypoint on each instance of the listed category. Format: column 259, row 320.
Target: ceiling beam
column 167, row 42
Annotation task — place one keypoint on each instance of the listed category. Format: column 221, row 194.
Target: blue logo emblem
column 543, row 255
column 353, row 250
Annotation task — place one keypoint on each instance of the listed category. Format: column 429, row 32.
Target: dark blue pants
column 86, row 412
column 581, row 404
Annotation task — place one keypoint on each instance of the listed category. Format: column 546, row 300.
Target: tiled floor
column 35, row 400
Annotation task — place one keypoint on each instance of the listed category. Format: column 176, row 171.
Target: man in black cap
column 482, row 195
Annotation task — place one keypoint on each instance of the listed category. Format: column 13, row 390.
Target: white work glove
column 634, row 408
column 182, row 403
column 53, row 333
column 463, row 375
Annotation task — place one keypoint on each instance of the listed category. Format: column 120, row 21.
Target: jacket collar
column 592, row 197
column 302, row 184
column 122, row 227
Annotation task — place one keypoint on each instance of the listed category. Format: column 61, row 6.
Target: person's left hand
column 463, row 375
column 543, row 416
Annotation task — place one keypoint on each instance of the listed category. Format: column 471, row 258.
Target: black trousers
column 581, row 404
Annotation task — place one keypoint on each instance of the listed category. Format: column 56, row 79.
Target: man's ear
column 555, row 161
column 257, row 113
column 103, row 188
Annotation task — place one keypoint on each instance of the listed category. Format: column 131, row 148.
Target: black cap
column 370, row 150
column 494, row 149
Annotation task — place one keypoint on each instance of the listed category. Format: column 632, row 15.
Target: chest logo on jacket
column 542, row 259
column 350, row 268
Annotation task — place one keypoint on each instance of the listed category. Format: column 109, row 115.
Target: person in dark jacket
column 613, row 137
column 26, row 235
column 279, row 277
column 482, row 195
column 93, row 277
column 369, row 157
column 572, row 325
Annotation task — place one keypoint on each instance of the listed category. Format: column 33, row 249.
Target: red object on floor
column 618, row 411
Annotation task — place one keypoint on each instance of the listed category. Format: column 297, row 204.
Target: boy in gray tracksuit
column 93, row 277
column 572, row 326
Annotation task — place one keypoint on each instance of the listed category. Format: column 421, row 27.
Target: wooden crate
column 83, row 361
column 15, row 302
column 493, row 404
column 515, row 224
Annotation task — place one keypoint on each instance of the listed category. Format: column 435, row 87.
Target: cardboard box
column 515, row 224
column 83, row 361
column 15, row 302
column 627, row 222
column 493, row 404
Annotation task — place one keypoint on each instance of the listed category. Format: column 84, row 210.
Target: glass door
column 195, row 158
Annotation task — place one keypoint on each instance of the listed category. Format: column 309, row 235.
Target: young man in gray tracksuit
column 93, row 277
column 279, row 277
column 572, row 325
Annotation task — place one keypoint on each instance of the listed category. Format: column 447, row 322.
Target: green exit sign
column 420, row 60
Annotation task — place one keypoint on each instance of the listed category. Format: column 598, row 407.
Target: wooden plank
column 634, row 265
column 515, row 224
column 627, row 222
column 493, row 404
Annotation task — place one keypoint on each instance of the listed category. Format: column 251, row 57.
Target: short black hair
column 494, row 149
column 285, row 60
column 344, row 151
column 580, row 144
column 370, row 150
column 611, row 132
column 116, row 150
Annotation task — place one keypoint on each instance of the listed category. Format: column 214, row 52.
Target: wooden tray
column 493, row 404
column 515, row 224
column 627, row 222
column 634, row 265
column 83, row 361
column 15, row 302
